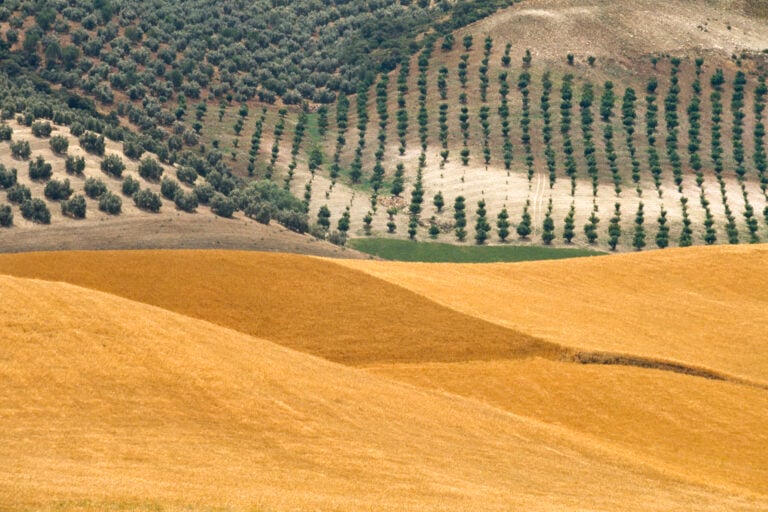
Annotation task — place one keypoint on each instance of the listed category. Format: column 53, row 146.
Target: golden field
column 702, row 307
column 186, row 380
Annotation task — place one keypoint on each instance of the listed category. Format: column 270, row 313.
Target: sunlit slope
column 118, row 404
column 706, row 430
column 703, row 306
column 624, row 29
column 305, row 303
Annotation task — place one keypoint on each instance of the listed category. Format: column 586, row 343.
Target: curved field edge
column 304, row 303
column 435, row 252
column 328, row 309
column 110, row 401
column 703, row 307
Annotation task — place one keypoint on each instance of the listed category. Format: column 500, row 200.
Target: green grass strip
column 433, row 252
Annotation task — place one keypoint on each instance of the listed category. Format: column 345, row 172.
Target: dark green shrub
column 36, row 210
column 59, row 144
column 41, row 129
column 133, row 149
column 569, row 229
column 460, row 218
column 638, row 240
column 6, row 132
column 110, row 203
column 77, row 129
column 502, row 224
column 222, row 206
column 94, row 188
column 130, row 186
column 39, row 169
column 56, row 190
column 92, row 143
column 150, row 169
column 548, row 226
column 324, row 217
column 186, row 175
column 524, row 228
column 74, row 165
column 113, row 165
column 169, row 187
column 204, row 192
column 482, row 227
column 8, row 177
column 74, row 207
column 21, row 150
column 19, row 193
column 185, row 201
column 147, row 200
column 293, row 220
column 6, row 216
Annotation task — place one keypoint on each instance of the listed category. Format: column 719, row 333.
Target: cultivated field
column 265, row 365
column 194, row 382
column 609, row 125
column 720, row 199
column 132, row 228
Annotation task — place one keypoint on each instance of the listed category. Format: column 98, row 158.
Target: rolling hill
column 702, row 307
column 673, row 397
column 228, row 374
column 110, row 403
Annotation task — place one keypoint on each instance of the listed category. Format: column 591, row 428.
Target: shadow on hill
column 313, row 306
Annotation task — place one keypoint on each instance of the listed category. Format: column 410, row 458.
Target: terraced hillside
column 633, row 399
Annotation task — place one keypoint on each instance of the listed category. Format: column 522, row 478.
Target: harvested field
column 155, row 410
column 189, row 401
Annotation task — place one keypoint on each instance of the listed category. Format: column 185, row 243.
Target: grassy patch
column 404, row 250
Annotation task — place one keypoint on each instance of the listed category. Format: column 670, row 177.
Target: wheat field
column 215, row 380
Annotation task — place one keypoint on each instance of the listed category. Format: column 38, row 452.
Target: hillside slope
column 133, row 228
column 152, row 410
column 301, row 302
column 624, row 30
column 703, row 430
column 700, row 306
column 700, row 430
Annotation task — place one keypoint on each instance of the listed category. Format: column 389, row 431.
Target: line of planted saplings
column 717, row 81
column 628, row 121
column 739, row 156
column 759, row 156
column 694, row 157
column 607, row 105
column 523, row 83
column 566, row 106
